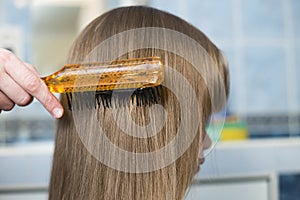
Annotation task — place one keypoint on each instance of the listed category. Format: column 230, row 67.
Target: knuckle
column 8, row 106
column 32, row 84
column 25, row 100
column 5, row 103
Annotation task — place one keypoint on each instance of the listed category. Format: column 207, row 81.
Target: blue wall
column 261, row 39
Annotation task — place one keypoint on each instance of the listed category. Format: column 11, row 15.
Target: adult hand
column 20, row 83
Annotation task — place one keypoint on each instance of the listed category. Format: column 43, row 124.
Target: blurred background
column 257, row 155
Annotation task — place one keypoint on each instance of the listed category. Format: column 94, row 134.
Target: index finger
column 31, row 83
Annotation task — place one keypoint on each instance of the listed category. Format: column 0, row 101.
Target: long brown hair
column 78, row 174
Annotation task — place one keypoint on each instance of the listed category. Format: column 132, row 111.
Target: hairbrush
column 96, row 83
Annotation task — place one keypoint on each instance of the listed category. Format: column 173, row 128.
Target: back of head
column 85, row 166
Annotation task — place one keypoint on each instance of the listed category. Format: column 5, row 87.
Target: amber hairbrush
column 142, row 74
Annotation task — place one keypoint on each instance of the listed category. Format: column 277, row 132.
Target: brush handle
column 119, row 74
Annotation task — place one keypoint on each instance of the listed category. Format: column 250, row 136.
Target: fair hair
column 77, row 173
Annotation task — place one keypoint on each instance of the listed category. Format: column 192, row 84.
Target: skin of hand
column 20, row 83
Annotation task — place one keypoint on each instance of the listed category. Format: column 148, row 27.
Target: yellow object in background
column 234, row 131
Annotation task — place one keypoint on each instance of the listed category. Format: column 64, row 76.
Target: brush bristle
column 114, row 98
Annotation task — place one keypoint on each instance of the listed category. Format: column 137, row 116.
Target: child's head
column 196, row 84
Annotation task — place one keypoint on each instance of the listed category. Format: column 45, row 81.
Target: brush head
column 114, row 98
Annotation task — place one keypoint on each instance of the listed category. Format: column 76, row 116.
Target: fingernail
column 58, row 112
